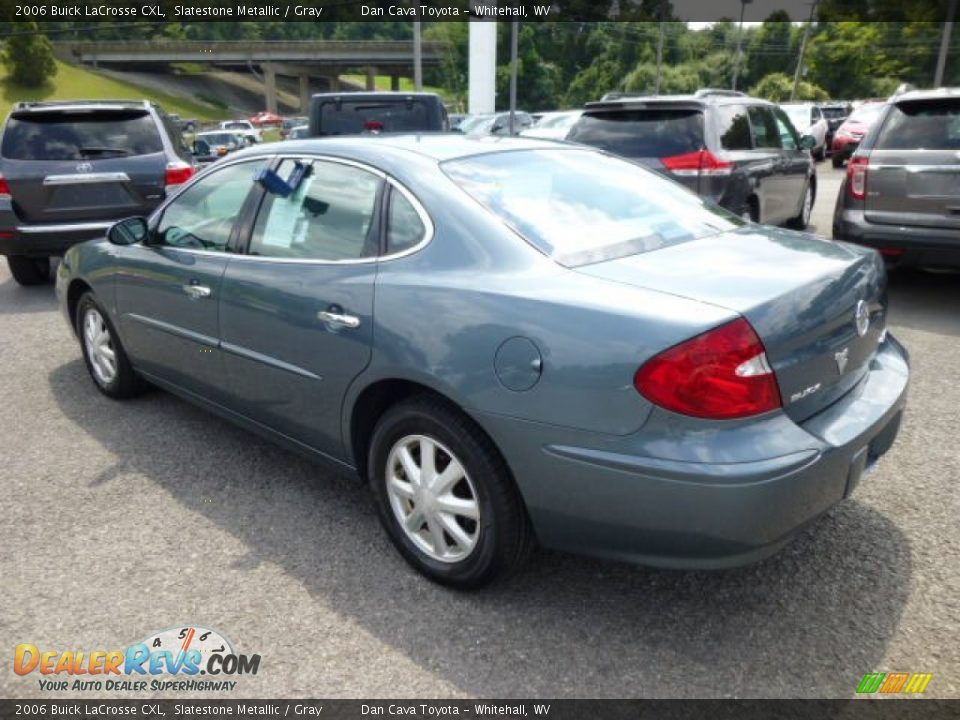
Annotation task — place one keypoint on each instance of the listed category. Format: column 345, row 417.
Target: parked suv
column 743, row 153
column 902, row 190
column 68, row 170
column 355, row 113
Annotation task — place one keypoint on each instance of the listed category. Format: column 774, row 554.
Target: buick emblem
column 862, row 317
column 84, row 167
column 842, row 357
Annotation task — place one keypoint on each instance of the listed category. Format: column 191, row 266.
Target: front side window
column 581, row 207
column 766, row 134
column 203, row 216
column 329, row 215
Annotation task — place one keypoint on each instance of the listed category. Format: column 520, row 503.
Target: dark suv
column 902, row 190
column 740, row 152
column 68, row 170
column 355, row 113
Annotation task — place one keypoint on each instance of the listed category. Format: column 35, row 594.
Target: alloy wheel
column 99, row 345
column 433, row 498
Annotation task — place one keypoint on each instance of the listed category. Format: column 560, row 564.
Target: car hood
column 799, row 292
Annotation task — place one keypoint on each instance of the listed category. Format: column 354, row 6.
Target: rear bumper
column 900, row 244
column 843, row 148
column 46, row 240
column 607, row 496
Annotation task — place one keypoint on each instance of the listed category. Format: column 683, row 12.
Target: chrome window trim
column 63, row 228
column 85, row 178
column 393, row 182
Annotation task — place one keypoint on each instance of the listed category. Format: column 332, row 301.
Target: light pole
column 736, row 59
column 944, row 45
column 803, row 50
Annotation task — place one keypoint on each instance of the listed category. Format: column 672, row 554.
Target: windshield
column 236, row 126
column 218, row 138
column 80, row 136
column 581, row 207
column 866, row 113
column 799, row 115
column 472, row 122
column 834, row 113
column 559, row 121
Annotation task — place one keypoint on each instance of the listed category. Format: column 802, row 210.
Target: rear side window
column 926, row 125
column 356, row 117
column 80, row 136
column 641, row 133
column 404, row 227
column 734, row 127
column 766, row 134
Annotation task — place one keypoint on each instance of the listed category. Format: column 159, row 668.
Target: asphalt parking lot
column 121, row 519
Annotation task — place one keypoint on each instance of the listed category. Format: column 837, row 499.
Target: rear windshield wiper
column 102, row 150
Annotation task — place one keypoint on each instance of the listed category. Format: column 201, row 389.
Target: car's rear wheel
column 445, row 496
column 103, row 354
column 801, row 221
column 29, row 270
column 821, row 154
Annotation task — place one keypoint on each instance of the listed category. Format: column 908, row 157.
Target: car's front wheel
column 29, row 270
column 103, row 354
column 445, row 496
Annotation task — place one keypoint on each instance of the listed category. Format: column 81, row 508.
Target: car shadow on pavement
column 925, row 300
column 809, row 621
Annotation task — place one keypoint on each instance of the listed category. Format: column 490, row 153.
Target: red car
column 851, row 132
column 266, row 119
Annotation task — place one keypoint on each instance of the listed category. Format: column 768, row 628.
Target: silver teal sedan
column 513, row 341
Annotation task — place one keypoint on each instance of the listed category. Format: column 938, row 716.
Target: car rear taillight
column 891, row 252
column 721, row 374
column 701, row 162
column 4, row 188
column 857, row 177
column 178, row 172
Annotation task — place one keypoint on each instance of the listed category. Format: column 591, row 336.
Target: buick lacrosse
column 513, row 340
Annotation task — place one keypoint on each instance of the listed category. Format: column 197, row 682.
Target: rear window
column 581, row 207
column 834, row 113
column 79, row 136
column 927, row 125
column 644, row 133
column 356, row 117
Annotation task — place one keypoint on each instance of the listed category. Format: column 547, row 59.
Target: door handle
column 197, row 291
column 339, row 319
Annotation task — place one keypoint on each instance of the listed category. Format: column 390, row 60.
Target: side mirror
column 808, row 142
column 129, row 231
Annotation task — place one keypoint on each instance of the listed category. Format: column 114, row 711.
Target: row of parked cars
column 69, row 169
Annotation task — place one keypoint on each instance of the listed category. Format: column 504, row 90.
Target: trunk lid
column 801, row 294
column 913, row 177
column 75, row 165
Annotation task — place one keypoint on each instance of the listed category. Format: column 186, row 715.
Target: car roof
column 374, row 95
column 701, row 98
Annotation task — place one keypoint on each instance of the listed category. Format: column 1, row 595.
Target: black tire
column 125, row 382
column 836, row 161
column 505, row 537
column 821, row 154
column 29, row 270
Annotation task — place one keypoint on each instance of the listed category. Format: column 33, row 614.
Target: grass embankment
column 76, row 83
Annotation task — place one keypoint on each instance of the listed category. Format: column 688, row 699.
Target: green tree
column 28, row 57
column 777, row 87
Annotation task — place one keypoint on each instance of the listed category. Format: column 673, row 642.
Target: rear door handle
column 196, row 291
column 339, row 319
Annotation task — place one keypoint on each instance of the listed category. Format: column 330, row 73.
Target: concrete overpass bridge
column 302, row 59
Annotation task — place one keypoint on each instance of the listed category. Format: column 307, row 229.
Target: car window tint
column 581, row 207
column 922, row 125
column 734, row 127
column 766, row 134
column 653, row 133
column 80, row 136
column 788, row 135
column 404, row 226
column 329, row 216
column 353, row 117
column 203, row 215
